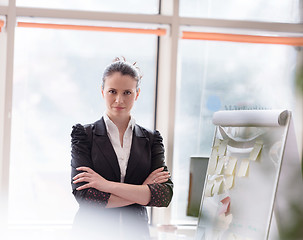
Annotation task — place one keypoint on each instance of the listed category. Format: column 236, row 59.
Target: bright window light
column 122, row 6
column 256, row 10
column 57, row 83
column 223, row 76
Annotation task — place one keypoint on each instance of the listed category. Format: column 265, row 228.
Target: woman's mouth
column 119, row 108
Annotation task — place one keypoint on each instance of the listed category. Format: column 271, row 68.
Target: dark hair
column 123, row 67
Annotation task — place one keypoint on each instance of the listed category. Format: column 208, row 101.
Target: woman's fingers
column 85, row 169
column 86, row 172
column 161, row 179
column 82, row 179
column 151, row 177
column 158, row 170
column 79, row 175
column 157, row 176
column 90, row 179
column 83, row 186
column 161, row 174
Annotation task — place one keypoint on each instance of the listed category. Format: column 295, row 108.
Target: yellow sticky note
column 218, row 187
column 256, row 151
column 222, row 148
column 229, row 182
column 212, row 163
column 243, row 170
column 230, row 166
column 209, row 189
column 215, row 150
column 232, row 236
column 220, row 165
column 217, row 142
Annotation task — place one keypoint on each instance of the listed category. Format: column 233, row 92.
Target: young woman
column 118, row 166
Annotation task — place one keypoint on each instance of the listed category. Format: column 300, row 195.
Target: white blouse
column 122, row 152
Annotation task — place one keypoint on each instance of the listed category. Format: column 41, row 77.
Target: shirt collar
column 110, row 124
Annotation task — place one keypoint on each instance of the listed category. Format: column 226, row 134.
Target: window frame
column 166, row 79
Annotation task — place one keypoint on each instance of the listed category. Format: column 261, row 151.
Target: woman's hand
column 93, row 179
column 157, row 176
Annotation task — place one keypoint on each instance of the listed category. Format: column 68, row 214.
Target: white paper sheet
column 209, row 189
column 212, row 164
column 222, row 148
column 229, row 182
column 218, row 187
column 256, row 151
column 230, row 166
column 238, row 118
column 220, row 165
column 217, row 142
column 243, row 170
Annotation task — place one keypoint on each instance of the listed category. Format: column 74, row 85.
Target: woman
column 118, row 166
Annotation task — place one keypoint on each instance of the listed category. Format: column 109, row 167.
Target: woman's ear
column 137, row 93
column 102, row 92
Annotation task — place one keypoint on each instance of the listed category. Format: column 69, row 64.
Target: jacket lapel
column 137, row 148
column 105, row 146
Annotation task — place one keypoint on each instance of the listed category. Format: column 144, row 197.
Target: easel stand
column 253, row 176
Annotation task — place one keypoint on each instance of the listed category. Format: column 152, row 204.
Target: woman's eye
column 127, row 92
column 112, row 91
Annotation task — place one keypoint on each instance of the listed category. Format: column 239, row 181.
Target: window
column 4, row 2
column 57, row 83
column 223, row 76
column 257, row 10
column 132, row 6
column 53, row 79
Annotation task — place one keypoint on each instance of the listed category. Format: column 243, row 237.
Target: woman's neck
column 120, row 121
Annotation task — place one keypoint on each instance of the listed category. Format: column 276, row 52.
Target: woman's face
column 119, row 94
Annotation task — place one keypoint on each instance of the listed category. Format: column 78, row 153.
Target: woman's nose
column 119, row 98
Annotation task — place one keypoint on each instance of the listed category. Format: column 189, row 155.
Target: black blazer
column 91, row 147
